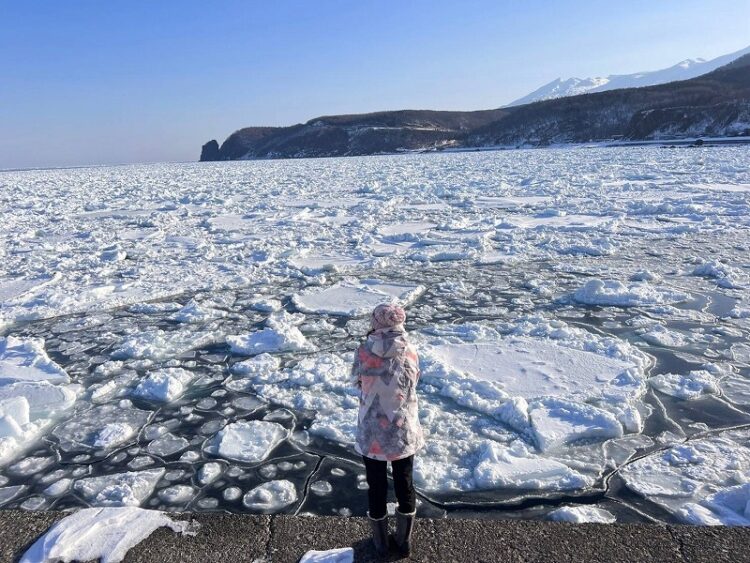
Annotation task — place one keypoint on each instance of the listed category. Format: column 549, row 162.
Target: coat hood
column 390, row 342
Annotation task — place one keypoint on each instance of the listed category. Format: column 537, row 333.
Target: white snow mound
column 104, row 534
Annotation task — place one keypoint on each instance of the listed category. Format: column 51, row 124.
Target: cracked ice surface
column 179, row 336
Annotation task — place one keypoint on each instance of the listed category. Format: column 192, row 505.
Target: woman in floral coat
column 386, row 370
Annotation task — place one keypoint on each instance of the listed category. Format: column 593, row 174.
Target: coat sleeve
column 354, row 377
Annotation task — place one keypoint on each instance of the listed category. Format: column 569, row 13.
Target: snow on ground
column 340, row 555
column 164, row 351
column 105, row 534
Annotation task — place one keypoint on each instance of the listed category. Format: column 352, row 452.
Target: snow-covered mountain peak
column 684, row 70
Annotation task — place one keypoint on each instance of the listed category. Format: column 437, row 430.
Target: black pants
column 377, row 479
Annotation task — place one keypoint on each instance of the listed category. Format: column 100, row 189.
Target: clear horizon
column 121, row 83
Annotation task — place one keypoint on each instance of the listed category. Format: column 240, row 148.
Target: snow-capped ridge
column 684, row 70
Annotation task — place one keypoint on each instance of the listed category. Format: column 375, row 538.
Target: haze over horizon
column 140, row 82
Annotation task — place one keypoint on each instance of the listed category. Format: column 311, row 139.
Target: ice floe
column 120, row 489
column 618, row 294
column 34, row 391
column 280, row 335
column 160, row 345
column 353, row 298
column 689, row 386
column 271, row 496
column 164, row 385
column 700, row 481
column 249, row 442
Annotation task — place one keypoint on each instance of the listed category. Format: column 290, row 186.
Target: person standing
column 386, row 371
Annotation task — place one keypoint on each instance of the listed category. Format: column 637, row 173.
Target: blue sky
column 87, row 82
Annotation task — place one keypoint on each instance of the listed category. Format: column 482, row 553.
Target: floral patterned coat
column 386, row 370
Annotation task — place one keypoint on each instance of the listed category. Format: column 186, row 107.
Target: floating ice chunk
column 528, row 367
column 728, row 507
column 690, row 386
column 645, row 275
column 160, row 345
column 260, row 364
column 659, row 335
column 340, row 555
column 615, row 293
column 27, row 408
column 280, row 335
column 195, row 312
column 739, row 312
column 271, row 497
column 399, row 229
column 554, row 219
column 26, row 360
column 177, row 494
column 120, row 489
column 249, row 442
column 582, row 514
column 500, row 466
column 113, row 434
column 104, row 534
column 167, row 445
column 164, row 385
column 352, row 298
column 209, row 472
column 44, row 399
column 102, row 427
column 509, row 202
column 30, row 465
column 688, row 475
column 266, row 305
column 313, row 264
column 7, row 494
column 58, row 488
column 154, row 308
column 725, row 275
column 232, row 493
column 321, row 488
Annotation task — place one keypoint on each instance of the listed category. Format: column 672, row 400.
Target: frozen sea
column 178, row 336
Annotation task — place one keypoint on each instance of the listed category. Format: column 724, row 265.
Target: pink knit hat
column 387, row 315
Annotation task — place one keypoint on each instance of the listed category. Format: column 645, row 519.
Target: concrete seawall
column 245, row 538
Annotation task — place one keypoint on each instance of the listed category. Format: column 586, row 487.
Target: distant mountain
column 689, row 68
column 714, row 104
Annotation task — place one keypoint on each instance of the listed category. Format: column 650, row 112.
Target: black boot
column 404, row 527
column 379, row 534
